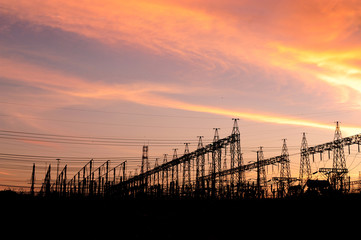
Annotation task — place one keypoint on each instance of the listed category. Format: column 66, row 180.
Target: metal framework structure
column 60, row 183
column 337, row 175
column 215, row 171
column 32, row 181
column 305, row 167
column 82, row 182
column 336, row 143
column 181, row 178
column 283, row 182
column 145, row 164
column 45, row 188
column 261, row 175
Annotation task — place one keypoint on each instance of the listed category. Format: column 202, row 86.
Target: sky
column 164, row 72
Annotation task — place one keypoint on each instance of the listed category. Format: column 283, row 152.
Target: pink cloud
column 207, row 33
column 295, row 37
column 145, row 94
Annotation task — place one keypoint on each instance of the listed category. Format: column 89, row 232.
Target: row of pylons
column 215, row 170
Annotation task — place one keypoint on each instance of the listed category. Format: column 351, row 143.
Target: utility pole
column 57, row 175
column 46, row 184
column 145, row 163
column 186, row 171
column 216, row 163
column 359, row 180
column 32, row 181
column 261, row 174
column 165, row 176
column 63, row 181
column 106, row 185
column 258, row 177
column 174, row 184
column 144, row 168
column 200, row 160
column 124, row 170
column 91, row 176
column 156, row 176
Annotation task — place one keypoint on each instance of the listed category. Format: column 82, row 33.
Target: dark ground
column 178, row 219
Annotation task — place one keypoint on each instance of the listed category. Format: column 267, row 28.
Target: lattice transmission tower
column 145, row 164
column 305, row 167
column 262, row 172
column 285, row 172
column 339, row 171
column 237, row 178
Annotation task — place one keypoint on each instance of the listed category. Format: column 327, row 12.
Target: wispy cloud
column 322, row 35
column 5, row 173
column 337, row 68
column 314, row 41
column 150, row 95
column 163, row 27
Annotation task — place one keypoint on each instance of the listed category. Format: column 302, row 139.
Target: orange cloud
column 5, row 173
column 337, row 68
column 223, row 35
column 214, row 34
column 164, row 27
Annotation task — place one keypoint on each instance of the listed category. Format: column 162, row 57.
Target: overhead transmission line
column 108, row 141
column 87, row 140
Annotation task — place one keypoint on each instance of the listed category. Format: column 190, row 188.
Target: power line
column 102, row 141
column 16, row 186
column 88, row 137
column 83, row 140
column 71, row 139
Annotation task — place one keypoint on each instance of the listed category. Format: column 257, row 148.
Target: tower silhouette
column 339, row 171
column 305, row 167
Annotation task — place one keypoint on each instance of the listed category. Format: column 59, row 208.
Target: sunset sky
column 164, row 72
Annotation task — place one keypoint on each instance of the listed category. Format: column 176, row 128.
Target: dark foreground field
column 175, row 219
